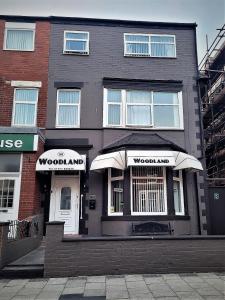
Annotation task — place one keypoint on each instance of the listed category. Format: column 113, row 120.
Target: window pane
column 68, row 115
column 162, row 39
column 77, row 35
column 165, row 98
column 138, row 97
column 116, row 173
column 26, row 95
column 166, row 116
column 177, row 197
column 10, row 163
column 6, row 193
column 19, row 39
column 65, row 202
column 137, row 38
column 137, row 48
column 113, row 114
column 148, row 190
column 138, row 115
column 164, row 50
column 68, row 97
column 24, row 114
column 116, row 196
column 75, row 45
column 114, row 96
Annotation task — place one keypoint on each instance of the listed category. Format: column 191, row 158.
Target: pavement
column 191, row 286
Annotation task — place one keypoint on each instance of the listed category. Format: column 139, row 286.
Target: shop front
column 64, row 167
column 14, row 150
column 146, row 185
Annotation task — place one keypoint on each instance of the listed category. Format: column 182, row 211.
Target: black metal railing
column 19, row 230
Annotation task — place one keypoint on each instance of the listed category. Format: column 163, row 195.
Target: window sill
column 144, row 218
column 143, row 128
column 75, row 53
column 149, row 56
column 18, row 50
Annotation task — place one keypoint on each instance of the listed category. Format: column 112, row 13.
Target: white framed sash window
column 25, row 107
column 76, row 42
column 115, row 192
column 149, row 45
column 148, row 191
column 68, row 108
column 143, row 109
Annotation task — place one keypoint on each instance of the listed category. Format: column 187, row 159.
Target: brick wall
column 97, row 256
column 27, row 66
column 30, row 203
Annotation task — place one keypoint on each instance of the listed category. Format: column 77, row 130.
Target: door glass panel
column 65, row 201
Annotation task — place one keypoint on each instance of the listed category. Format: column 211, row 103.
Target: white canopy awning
column 118, row 160
column 186, row 161
column 61, row 160
column 110, row 160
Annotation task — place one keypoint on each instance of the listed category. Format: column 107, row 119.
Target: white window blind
column 68, row 108
column 25, row 107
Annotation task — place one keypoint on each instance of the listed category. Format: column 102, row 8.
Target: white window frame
column 180, row 181
column 19, row 26
column 68, row 104
column 149, row 43
column 133, row 213
column 110, row 180
column 76, row 52
column 123, row 112
column 24, row 102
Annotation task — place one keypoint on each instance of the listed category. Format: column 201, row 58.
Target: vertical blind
column 19, row 39
column 25, row 103
column 68, row 108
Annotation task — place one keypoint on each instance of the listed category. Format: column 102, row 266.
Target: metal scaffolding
column 212, row 92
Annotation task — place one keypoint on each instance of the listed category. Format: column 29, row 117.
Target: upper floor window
column 19, row 36
column 142, row 109
column 76, row 42
column 68, row 108
column 25, row 107
column 149, row 45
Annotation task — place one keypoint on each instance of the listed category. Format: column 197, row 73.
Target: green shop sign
column 18, row 142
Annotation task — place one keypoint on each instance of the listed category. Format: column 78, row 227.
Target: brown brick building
column 24, row 55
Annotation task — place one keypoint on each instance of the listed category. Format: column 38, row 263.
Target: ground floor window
column 148, row 191
column 178, row 192
column 115, row 192
column 6, row 192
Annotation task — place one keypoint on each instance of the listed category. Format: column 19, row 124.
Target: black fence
column 22, row 229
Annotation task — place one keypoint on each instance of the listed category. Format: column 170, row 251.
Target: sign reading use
column 18, row 142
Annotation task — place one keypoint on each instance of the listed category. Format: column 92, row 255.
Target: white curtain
column 76, row 45
column 19, row 39
column 138, row 108
column 68, row 97
column 140, row 47
column 162, row 46
column 177, row 196
column 114, row 114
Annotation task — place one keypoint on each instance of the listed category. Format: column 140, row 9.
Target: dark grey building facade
column 124, row 92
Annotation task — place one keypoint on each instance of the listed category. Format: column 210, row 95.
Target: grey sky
column 208, row 14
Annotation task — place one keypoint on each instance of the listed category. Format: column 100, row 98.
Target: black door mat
column 80, row 297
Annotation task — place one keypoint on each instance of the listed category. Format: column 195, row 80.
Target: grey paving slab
column 199, row 285
column 53, row 287
column 158, row 286
column 74, row 290
column 95, row 286
column 36, row 285
column 75, row 283
column 209, row 292
column 96, row 279
column 189, row 296
column 95, row 292
column 29, row 291
column 24, row 297
column 136, row 285
column 115, row 281
column 48, row 296
column 134, row 277
column 57, row 280
column 180, row 287
column 150, row 280
column 171, row 276
column 20, row 282
column 35, row 257
column 193, row 279
column 138, row 292
column 123, row 294
column 207, row 275
column 142, row 297
column 163, row 293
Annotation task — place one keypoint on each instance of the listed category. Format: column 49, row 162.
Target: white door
column 64, row 204
column 9, row 198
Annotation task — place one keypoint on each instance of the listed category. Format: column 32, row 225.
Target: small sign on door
column 216, row 196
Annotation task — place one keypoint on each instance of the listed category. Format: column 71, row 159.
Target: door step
column 22, row 271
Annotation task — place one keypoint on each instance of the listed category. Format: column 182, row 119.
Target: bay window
column 68, row 108
column 148, row 190
column 152, row 45
column 115, row 192
column 137, row 108
column 25, row 107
